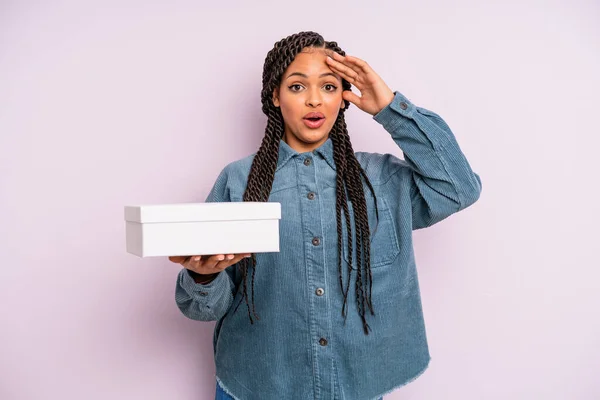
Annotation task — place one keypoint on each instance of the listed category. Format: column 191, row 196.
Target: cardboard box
column 202, row 228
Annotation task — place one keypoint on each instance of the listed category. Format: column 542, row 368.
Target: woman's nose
column 313, row 99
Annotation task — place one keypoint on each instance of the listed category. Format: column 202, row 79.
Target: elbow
column 471, row 192
column 429, row 210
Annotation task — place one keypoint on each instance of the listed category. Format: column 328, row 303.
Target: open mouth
column 313, row 122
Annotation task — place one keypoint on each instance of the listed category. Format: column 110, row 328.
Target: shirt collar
column 286, row 153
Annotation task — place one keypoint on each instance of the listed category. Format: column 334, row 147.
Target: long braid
column 341, row 204
column 263, row 166
column 348, row 176
column 362, row 232
column 368, row 248
column 356, row 192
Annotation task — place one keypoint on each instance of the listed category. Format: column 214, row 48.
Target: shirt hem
column 417, row 375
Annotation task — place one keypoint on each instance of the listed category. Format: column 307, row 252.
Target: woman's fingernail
column 196, row 258
column 230, row 257
column 221, row 258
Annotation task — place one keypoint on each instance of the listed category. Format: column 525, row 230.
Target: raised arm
column 441, row 179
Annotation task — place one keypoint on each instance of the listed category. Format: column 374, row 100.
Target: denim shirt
column 301, row 348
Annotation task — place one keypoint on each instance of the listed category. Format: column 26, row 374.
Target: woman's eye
column 297, row 87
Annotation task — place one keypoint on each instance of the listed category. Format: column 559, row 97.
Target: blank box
column 202, row 228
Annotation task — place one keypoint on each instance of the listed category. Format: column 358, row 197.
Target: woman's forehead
column 309, row 63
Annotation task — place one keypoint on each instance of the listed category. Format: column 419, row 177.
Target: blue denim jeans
column 221, row 395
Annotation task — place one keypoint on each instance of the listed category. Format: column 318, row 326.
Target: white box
column 202, row 228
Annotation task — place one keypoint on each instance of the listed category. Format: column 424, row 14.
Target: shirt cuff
column 217, row 285
column 388, row 117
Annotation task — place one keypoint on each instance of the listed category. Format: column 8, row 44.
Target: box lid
column 195, row 212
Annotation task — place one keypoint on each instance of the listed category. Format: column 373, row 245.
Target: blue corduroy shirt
column 301, row 348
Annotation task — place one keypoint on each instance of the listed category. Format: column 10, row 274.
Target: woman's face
column 308, row 86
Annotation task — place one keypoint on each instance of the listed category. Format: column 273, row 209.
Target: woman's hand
column 208, row 264
column 375, row 95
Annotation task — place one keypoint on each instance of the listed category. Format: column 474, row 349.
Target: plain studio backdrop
column 110, row 103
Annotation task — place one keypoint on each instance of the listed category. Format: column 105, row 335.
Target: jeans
column 221, row 395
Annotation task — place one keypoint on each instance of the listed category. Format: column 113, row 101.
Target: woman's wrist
column 202, row 278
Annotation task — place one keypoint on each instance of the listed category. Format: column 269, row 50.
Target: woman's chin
column 313, row 136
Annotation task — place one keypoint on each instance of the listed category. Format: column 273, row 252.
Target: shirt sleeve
column 204, row 302
column 211, row 301
column 441, row 179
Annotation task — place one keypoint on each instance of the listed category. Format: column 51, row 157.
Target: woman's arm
column 442, row 181
column 208, row 301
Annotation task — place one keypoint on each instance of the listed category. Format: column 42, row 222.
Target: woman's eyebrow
column 306, row 76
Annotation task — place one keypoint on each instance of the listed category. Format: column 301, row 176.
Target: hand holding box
column 208, row 264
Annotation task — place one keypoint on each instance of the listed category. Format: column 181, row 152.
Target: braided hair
column 348, row 170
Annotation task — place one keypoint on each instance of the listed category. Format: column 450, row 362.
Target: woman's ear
column 276, row 97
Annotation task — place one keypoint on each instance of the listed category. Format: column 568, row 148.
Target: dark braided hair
column 348, row 182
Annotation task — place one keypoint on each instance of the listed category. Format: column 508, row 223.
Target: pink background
column 128, row 102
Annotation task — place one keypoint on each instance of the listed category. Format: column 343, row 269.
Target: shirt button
column 323, row 342
column 311, row 196
column 319, row 292
column 307, row 161
column 403, row 105
column 316, row 241
column 203, row 294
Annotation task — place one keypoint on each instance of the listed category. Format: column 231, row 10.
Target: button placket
column 313, row 224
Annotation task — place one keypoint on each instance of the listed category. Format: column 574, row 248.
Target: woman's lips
column 313, row 123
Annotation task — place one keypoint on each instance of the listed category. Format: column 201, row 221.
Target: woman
column 347, row 221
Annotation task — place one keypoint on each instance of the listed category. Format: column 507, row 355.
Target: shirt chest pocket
column 384, row 239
